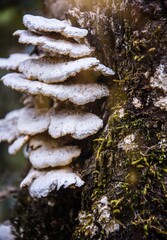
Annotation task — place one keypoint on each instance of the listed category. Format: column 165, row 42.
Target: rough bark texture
column 125, row 178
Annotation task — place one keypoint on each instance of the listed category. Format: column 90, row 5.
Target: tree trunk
column 125, row 178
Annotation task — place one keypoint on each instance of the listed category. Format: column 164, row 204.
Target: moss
column 133, row 180
column 135, row 185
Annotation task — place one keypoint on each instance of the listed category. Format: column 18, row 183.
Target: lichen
column 99, row 219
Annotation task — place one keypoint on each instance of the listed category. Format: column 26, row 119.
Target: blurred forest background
column 11, row 14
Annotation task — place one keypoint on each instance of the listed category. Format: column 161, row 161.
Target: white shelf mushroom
column 50, row 70
column 41, row 183
column 32, row 121
column 46, row 152
column 79, row 94
column 41, row 24
column 50, row 44
column 79, row 124
column 104, row 70
column 8, row 127
column 18, row 144
column 33, row 174
column 41, row 76
column 12, row 62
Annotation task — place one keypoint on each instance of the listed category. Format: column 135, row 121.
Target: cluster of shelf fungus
column 57, row 84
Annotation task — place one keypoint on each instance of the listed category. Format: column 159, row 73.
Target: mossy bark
column 125, row 178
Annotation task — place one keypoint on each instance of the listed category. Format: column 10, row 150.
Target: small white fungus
column 79, row 94
column 49, row 70
column 121, row 112
column 47, row 152
column 32, row 121
column 18, row 144
column 80, row 125
column 104, row 70
column 42, row 182
column 108, row 224
column 33, row 174
column 41, row 24
column 12, row 62
column 8, row 127
column 60, row 46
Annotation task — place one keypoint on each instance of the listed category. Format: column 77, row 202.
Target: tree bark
column 125, row 178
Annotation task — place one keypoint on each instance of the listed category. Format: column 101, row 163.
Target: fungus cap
column 49, row 70
column 8, row 127
column 17, row 144
column 104, row 70
column 79, row 124
column 12, row 62
column 49, row 44
column 47, row 181
column 41, row 24
column 33, row 174
column 47, row 152
column 79, row 94
column 32, row 121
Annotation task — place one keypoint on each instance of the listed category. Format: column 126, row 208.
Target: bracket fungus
column 49, row 70
column 49, row 44
column 80, row 125
column 41, row 24
column 40, row 183
column 46, row 152
column 18, row 144
column 12, row 62
column 33, row 121
column 8, row 127
column 53, row 132
column 79, row 94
